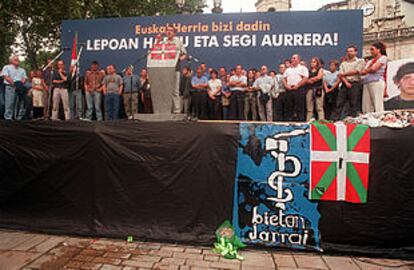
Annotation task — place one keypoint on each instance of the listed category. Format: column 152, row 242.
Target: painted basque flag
column 74, row 57
column 339, row 162
column 164, row 51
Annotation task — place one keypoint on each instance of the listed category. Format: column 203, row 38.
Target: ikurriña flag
column 74, row 57
column 339, row 162
column 164, row 52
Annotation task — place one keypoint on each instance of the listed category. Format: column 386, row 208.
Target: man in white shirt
column 13, row 76
column 295, row 78
column 237, row 85
column 265, row 85
column 214, row 94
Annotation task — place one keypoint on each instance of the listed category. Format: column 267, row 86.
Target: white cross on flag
column 163, row 51
column 339, row 162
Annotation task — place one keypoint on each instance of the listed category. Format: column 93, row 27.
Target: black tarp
column 385, row 224
column 173, row 181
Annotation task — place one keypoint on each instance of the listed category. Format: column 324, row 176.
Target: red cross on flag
column 163, row 51
column 339, row 162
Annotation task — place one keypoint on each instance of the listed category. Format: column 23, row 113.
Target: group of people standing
column 99, row 94
column 296, row 92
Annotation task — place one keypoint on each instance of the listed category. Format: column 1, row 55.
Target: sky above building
column 231, row 6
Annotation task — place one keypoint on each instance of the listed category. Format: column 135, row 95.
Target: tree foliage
column 7, row 31
column 32, row 27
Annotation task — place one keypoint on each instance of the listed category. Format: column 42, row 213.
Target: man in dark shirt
column 48, row 77
column 60, row 92
column 185, row 88
column 405, row 81
column 199, row 96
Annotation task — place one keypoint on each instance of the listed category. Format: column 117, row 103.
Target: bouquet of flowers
column 391, row 119
column 227, row 243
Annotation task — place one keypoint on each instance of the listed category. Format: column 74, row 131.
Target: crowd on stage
column 55, row 94
column 294, row 91
column 297, row 91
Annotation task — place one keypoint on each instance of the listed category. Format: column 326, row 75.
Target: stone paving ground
column 29, row 251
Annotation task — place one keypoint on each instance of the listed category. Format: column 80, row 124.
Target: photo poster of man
column 392, row 68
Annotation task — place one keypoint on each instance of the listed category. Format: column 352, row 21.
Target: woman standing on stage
column 214, row 94
column 145, row 91
column 39, row 92
column 374, row 79
column 315, row 94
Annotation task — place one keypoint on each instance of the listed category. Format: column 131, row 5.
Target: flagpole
column 78, row 66
column 130, row 94
column 53, row 60
column 50, row 86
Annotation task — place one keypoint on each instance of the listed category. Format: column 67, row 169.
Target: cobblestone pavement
column 29, row 251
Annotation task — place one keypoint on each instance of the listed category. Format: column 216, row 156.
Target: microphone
column 191, row 58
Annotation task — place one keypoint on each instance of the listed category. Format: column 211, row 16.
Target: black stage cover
column 173, row 181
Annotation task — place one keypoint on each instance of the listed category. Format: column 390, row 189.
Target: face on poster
column 393, row 86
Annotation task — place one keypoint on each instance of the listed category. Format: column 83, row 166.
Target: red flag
column 74, row 58
column 339, row 162
column 164, row 52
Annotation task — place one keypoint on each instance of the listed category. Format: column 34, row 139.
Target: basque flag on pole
column 74, row 58
column 339, row 162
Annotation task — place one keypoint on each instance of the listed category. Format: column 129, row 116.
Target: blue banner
column 271, row 205
column 251, row 39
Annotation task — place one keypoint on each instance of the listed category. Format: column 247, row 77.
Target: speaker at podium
column 164, row 77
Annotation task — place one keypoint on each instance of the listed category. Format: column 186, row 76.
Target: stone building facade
column 273, row 5
column 390, row 21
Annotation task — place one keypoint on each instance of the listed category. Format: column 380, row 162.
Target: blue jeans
column 10, row 97
column 94, row 101
column 226, row 112
column 23, row 105
column 2, row 89
column 76, row 104
column 112, row 105
column 26, row 112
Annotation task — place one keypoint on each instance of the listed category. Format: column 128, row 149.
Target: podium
column 161, row 65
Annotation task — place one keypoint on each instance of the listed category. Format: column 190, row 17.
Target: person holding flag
column 76, row 83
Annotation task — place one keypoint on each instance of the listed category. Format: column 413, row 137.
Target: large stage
column 174, row 181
